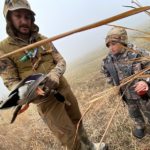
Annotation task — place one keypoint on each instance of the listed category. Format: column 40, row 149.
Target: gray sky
column 58, row 16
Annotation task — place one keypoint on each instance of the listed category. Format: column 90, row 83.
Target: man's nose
column 23, row 20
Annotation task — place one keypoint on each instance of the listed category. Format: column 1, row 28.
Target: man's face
column 115, row 48
column 22, row 21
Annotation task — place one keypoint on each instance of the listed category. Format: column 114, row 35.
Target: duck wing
column 31, row 92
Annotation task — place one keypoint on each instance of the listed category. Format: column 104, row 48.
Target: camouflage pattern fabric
column 117, row 34
column 135, row 103
column 61, row 118
column 11, row 5
column 8, row 72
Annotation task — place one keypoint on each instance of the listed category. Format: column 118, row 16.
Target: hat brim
column 13, row 9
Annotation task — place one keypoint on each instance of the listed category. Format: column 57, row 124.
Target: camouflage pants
column 62, row 120
column 138, row 109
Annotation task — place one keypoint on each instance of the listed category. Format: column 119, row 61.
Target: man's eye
column 18, row 16
column 27, row 17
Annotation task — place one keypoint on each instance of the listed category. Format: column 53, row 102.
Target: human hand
column 141, row 87
column 52, row 81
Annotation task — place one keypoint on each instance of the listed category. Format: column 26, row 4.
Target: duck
column 27, row 91
column 23, row 92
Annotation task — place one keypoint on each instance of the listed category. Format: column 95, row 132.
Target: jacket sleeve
column 146, row 64
column 59, row 61
column 9, row 72
column 106, row 73
column 138, row 66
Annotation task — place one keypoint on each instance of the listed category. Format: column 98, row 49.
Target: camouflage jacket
column 118, row 67
column 12, row 69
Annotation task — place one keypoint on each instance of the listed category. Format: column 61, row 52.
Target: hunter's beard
column 23, row 30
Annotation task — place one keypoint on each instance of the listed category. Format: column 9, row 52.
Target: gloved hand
column 52, row 81
column 141, row 87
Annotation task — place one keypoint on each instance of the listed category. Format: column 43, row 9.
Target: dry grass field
column 30, row 133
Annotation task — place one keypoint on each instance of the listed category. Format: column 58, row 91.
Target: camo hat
column 11, row 5
column 117, row 34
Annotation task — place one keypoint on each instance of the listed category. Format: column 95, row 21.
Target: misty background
column 58, row 16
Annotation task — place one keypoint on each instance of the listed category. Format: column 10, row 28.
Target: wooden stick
column 84, row 28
